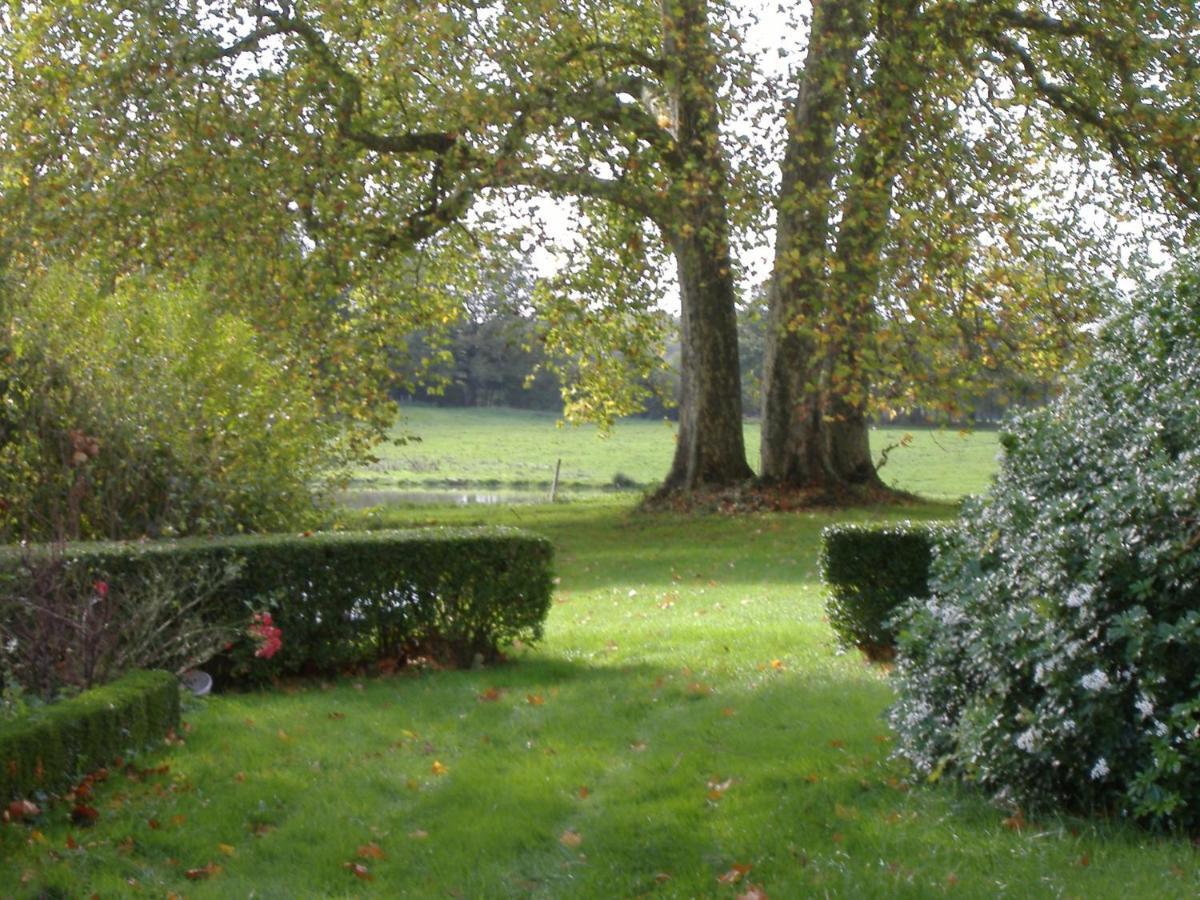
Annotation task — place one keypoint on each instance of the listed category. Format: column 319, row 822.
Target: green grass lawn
column 506, row 449
column 686, row 722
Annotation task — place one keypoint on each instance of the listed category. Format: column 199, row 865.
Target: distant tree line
column 495, row 355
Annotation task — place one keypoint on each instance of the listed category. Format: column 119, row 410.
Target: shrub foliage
column 1058, row 660
column 48, row 748
column 143, row 410
column 870, row 572
column 340, row 600
column 66, row 630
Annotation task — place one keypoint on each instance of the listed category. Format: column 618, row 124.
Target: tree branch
column 583, row 184
column 351, row 95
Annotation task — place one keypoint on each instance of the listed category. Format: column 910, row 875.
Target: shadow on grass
column 553, row 778
column 607, row 545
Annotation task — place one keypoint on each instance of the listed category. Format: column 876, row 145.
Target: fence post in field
column 554, row 484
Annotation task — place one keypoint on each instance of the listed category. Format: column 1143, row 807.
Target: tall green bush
column 1058, row 661
column 143, row 411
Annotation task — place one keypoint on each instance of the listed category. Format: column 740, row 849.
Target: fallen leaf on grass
column 753, row 892
column 728, row 711
column 359, row 871
column 491, row 695
column 583, row 792
column 638, row 746
column 371, row 851
column 418, row 835
column 777, row 665
column 570, row 838
column 735, row 874
column 207, row 871
column 20, row 810
column 951, row 880
column 698, row 689
column 337, row 716
column 717, row 789
column 661, row 877
column 535, row 699
column 438, row 769
column 1015, row 822
column 84, row 816
column 227, row 849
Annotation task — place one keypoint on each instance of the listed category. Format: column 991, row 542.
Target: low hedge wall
column 50, row 748
column 870, row 571
column 343, row 599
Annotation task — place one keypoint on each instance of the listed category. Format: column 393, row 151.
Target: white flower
column 1027, row 740
column 1079, row 596
column 1100, row 769
column 1068, row 726
column 1145, row 706
column 1095, row 680
column 1160, row 729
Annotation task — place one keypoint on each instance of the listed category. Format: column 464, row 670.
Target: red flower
column 101, row 589
column 269, row 637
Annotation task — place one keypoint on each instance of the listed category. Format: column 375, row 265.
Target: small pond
column 450, row 497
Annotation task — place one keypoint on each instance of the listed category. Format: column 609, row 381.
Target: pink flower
column 101, row 589
column 270, row 638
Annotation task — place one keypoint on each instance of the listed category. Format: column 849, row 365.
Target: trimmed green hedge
column 870, row 572
column 49, row 749
column 344, row 599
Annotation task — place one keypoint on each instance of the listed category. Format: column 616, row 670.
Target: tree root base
column 754, row 497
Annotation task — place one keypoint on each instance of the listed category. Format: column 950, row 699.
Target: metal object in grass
column 197, row 681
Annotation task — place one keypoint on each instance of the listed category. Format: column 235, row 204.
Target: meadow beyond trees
column 945, row 170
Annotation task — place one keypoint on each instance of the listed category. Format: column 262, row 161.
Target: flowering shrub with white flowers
column 1057, row 662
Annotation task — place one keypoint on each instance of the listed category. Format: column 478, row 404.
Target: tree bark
column 890, row 104
column 710, row 451
column 797, row 444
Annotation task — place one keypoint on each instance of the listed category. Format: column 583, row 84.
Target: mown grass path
column 686, row 730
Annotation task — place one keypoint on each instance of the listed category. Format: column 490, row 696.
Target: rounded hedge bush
column 1057, row 662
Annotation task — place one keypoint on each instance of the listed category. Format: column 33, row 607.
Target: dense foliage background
column 141, row 410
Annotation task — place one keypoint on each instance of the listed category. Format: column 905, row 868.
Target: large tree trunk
column 710, row 451
column 798, row 446
column 889, row 106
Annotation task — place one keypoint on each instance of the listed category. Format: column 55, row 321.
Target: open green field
column 686, row 729
column 516, row 450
